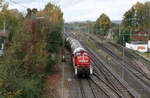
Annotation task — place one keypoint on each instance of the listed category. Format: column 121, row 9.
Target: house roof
column 142, row 31
column 141, row 35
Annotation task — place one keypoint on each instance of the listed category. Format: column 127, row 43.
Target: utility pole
column 119, row 30
column 63, row 58
column 122, row 52
column 96, row 28
column 123, row 59
column 4, row 23
column 63, row 44
column 88, row 29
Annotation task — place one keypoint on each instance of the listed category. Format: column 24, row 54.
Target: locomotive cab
column 82, row 63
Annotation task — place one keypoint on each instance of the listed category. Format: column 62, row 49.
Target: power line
column 56, row 2
column 17, row 3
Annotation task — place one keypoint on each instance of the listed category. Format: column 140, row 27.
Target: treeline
column 76, row 26
column 138, row 17
column 102, row 26
column 135, row 19
column 33, row 40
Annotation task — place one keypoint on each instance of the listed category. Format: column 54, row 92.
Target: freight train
column 80, row 57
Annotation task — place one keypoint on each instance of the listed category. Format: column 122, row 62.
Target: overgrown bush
column 27, row 61
column 32, row 88
column 125, row 34
column 21, row 69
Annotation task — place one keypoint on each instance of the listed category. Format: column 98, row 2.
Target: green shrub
column 32, row 88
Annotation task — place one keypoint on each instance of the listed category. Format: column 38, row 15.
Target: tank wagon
column 80, row 57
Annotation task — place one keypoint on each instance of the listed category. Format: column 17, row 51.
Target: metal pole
column 63, row 64
column 88, row 29
column 123, row 59
column 4, row 23
column 149, row 16
column 62, row 80
column 119, row 30
column 95, row 28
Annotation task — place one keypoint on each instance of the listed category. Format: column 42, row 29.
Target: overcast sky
column 81, row 10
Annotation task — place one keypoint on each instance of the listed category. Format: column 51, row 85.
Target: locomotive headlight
column 83, row 60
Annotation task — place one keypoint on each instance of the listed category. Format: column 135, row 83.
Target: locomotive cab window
column 78, row 54
column 85, row 54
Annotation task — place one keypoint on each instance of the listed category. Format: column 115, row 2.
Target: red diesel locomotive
column 80, row 57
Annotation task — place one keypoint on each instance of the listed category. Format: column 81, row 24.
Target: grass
column 147, row 55
column 89, row 42
column 93, row 46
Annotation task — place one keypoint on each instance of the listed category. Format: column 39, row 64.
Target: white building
column 141, row 47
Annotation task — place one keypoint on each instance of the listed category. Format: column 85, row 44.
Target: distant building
column 3, row 42
column 140, row 41
column 140, row 36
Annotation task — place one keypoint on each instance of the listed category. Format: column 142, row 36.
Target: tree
column 55, row 17
column 1, row 3
column 128, row 19
column 23, row 62
column 139, row 15
column 147, row 15
column 126, row 34
column 134, row 18
column 54, row 12
column 12, row 18
column 103, row 24
column 89, row 26
column 31, row 11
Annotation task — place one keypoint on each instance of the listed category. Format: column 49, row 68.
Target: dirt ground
column 53, row 81
column 51, row 85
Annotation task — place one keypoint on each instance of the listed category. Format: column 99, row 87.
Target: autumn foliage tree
column 31, row 11
column 103, row 24
column 12, row 19
column 24, row 64
column 147, row 15
column 56, row 18
column 137, row 18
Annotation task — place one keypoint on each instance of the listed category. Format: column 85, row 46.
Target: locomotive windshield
column 85, row 54
column 80, row 54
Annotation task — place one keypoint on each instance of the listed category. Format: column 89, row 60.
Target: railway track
column 86, row 89
column 106, row 79
column 83, row 93
column 92, row 88
column 139, row 63
column 111, row 83
column 131, row 68
column 82, row 87
column 105, row 87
